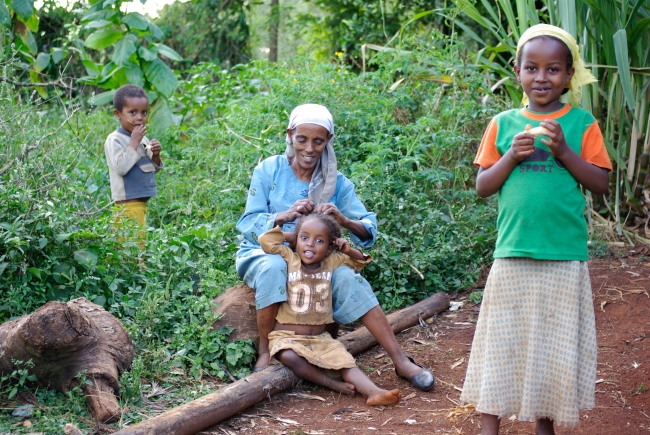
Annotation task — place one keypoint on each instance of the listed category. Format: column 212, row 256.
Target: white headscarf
column 323, row 180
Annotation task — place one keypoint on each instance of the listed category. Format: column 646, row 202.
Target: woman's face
column 309, row 142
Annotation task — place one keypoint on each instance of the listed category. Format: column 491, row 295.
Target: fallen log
column 362, row 340
column 213, row 408
column 64, row 340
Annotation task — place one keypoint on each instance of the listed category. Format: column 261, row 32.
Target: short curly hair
column 333, row 227
column 127, row 91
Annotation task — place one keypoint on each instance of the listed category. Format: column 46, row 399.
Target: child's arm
column 271, row 241
column 120, row 159
column 592, row 177
column 155, row 148
column 138, row 133
column 344, row 247
column 290, row 238
column 490, row 180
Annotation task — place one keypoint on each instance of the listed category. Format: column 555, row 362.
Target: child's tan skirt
column 534, row 350
column 320, row 350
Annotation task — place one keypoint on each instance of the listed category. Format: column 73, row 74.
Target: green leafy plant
column 18, row 378
column 475, row 297
column 19, row 28
column 69, row 407
column 208, row 31
column 19, row 22
column 206, row 92
column 598, row 249
column 345, row 25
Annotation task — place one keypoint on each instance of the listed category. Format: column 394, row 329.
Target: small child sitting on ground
column 299, row 340
column 132, row 159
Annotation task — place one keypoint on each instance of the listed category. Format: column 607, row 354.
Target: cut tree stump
column 64, row 340
column 237, row 306
column 213, row 408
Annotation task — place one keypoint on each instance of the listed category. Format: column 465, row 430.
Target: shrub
column 58, row 242
column 409, row 151
column 407, row 146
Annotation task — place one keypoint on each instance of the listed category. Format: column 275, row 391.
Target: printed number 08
column 301, row 298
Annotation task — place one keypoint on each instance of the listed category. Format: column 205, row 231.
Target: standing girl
column 534, row 351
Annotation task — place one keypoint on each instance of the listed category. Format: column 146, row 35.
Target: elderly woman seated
column 283, row 189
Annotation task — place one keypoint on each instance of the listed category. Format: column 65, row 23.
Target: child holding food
column 534, row 350
column 133, row 160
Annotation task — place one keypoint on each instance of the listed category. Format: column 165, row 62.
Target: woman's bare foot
column 263, row 359
column 406, row 368
column 384, row 397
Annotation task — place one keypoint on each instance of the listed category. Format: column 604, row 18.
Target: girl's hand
column 155, row 147
column 556, row 141
column 298, row 209
column 342, row 245
column 522, row 145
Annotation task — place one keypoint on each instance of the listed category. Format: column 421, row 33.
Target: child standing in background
column 132, row 159
column 299, row 340
column 534, row 350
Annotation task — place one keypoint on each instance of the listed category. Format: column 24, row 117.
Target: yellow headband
column 582, row 75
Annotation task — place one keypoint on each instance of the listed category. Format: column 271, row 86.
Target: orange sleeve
column 593, row 148
column 487, row 154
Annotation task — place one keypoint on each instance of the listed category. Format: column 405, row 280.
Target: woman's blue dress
column 275, row 188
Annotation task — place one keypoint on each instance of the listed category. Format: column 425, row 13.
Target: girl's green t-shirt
column 541, row 205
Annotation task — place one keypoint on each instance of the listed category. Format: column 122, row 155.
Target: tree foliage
column 207, row 31
column 348, row 24
column 21, row 35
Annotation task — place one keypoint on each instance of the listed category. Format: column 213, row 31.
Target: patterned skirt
column 534, row 350
column 320, row 350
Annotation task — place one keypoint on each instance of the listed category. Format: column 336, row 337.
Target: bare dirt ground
column 621, row 290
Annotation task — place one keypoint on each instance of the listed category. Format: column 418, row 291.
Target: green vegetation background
column 409, row 152
column 407, row 131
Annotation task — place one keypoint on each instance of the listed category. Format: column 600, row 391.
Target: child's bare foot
column 384, row 397
column 340, row 387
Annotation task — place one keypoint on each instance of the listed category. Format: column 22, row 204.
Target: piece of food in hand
column 538, row 131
